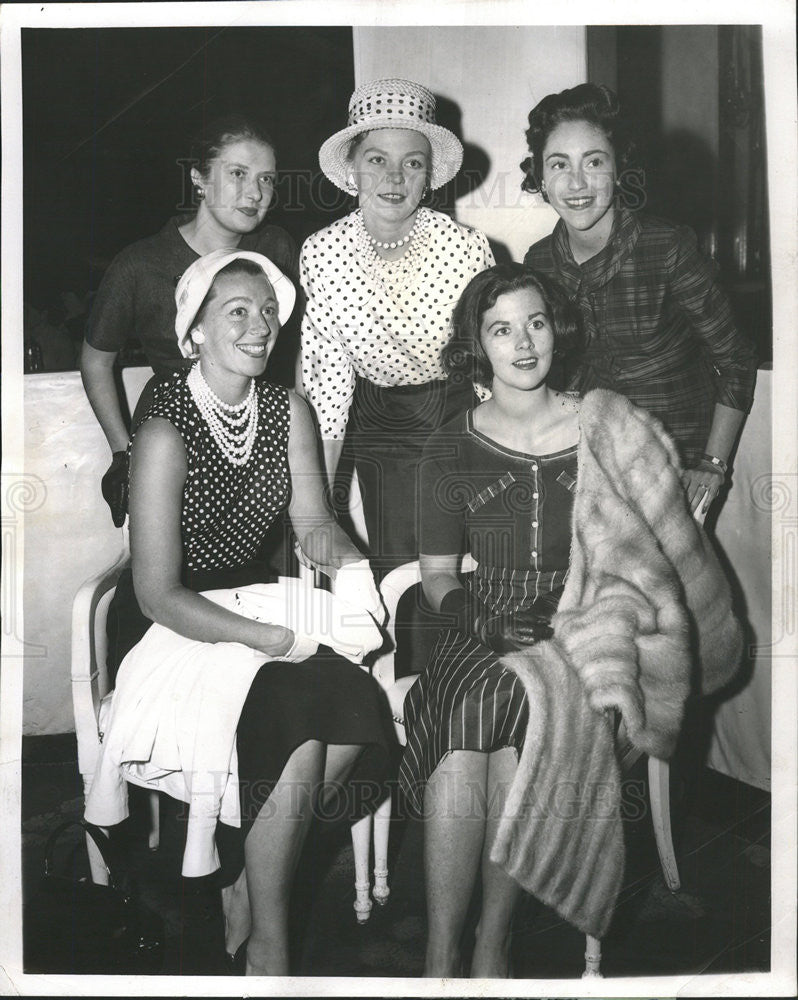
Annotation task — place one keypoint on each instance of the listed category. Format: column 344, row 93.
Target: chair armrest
column 84, row 613
column 393, row 586
column 89, row 672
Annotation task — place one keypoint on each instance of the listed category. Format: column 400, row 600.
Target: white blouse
column 382, row 320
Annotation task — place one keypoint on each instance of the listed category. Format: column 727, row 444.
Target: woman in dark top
column 497, row 481
column 658, row 329
column 234, row 179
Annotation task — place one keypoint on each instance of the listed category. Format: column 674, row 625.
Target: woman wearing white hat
column 381, row 284
column 216, row 458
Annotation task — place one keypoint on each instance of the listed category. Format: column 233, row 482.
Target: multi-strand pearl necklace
column 396, row 243
column 392, row 274
column 233, row 426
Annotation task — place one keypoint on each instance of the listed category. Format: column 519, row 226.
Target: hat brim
column 189, row 295
column 447, row 150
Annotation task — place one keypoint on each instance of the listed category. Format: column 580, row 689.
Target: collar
column 598, row 270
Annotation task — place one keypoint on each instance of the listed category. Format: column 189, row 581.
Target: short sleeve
column 112, row 320
column 443, row 496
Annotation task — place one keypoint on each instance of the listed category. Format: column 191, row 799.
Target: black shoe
column 236, row 965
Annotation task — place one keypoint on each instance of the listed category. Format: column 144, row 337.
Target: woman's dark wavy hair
column 463, row 356
column 589, row 102
column 209, row 142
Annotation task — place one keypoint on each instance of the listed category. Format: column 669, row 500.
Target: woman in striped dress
column 497, row 481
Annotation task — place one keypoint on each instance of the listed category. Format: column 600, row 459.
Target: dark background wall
column 108, row 116
column 694, row 97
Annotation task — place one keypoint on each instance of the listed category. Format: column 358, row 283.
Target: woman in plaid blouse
column 657, row 326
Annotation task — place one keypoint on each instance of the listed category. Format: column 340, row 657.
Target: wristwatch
column 717, row 462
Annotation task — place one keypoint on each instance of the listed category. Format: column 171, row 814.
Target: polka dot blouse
column 227, row 509
column 382, row 320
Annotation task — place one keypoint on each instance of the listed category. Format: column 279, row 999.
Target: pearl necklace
column 233, row 426
column 396, row 243
column 392, row 274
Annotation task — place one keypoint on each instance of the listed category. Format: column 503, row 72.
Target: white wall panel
column 69, row 536
column 495, row 75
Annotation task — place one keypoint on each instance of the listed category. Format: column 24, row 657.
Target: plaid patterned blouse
column 658, row 329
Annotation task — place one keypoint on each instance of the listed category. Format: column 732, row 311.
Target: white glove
column 301, row 649
column 354, row 584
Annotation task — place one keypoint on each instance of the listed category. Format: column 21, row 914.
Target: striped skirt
column 464, row 700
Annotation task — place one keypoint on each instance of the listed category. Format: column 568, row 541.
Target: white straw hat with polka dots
column 392, row 104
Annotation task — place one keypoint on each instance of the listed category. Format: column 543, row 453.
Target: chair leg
column 382, row 827
column 592, row 958
column 99, row 873
column 361, row 845
column 659, row 795
column 154, row 838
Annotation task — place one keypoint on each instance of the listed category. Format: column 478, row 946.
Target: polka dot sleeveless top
column 385, row 321
column 227, row 509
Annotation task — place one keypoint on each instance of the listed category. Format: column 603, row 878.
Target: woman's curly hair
column 464, row 357
column 589, row 102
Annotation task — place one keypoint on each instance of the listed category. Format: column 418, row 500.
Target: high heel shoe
column 236, row 965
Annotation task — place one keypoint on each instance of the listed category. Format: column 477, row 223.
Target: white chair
column 91, row 699
column 91, row 689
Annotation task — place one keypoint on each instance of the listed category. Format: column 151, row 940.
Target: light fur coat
column 644, row 619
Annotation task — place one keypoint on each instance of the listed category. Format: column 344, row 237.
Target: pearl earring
column 198, row 336
column 200, row 193
column 350, row 184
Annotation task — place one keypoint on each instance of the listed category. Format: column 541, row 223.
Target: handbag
column 73, row 925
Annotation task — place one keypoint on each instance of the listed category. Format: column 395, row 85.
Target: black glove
column 511, row 631
column 114, row 487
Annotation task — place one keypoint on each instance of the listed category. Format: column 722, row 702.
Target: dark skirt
column 325, row 698
column 463, row 700
column 388, row 430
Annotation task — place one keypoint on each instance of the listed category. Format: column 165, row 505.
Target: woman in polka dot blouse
column 219, row 454
column 380, row 285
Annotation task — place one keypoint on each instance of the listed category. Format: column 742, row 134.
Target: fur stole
column 644, row 619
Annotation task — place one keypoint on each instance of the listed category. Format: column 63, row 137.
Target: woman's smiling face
column 239, row 324
column 390, row 167
column 518, row 339
column 579, row 173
